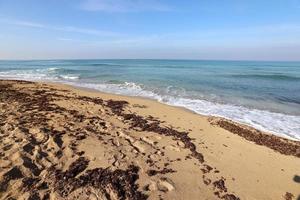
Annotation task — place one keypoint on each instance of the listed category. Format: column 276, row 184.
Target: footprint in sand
column 116, row 142
column 139, row 147
column 165, row 185
column 39, row 137
column 28, row 148
column 152, row 186
column 119, row 156
column 13, row 174
column 180, row 144
column 5, row 163
column 173, row 148
column 148, row 141
column 93, row 197
column 154, row 156
column 7, row 147
column 127, row 137
column 29, row 164
column 159, row 153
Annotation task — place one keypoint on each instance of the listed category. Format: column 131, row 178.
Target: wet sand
column 60, row 142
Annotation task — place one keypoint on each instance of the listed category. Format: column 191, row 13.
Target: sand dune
column 59, row 142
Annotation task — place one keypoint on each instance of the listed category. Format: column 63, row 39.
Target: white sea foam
column 49, row 74
column 127, row 88
column 26, row 75
column 69, row 77
column 52, row 68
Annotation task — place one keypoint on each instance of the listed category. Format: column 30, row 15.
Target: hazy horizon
column 166, row 59
column 150, row 29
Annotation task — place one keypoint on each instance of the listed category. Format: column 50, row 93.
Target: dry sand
column 59, row 142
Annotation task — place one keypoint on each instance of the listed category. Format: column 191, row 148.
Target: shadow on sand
column 297, row 180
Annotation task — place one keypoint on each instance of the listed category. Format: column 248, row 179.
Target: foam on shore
column 277, row 123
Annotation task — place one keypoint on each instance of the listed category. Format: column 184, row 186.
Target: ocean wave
column 153, row 65
column 125, row 88
column 48, row 74
column 267, row 76
column 26, row 75
column 294, row 100
column 175, row 91
column 69, row 77
column 108, row 65
column 53, row 69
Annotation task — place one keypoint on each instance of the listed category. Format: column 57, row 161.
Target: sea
column 264, row 95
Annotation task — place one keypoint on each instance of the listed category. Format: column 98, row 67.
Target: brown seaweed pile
column 118, row 183
column 280, row 145
column 153, row 172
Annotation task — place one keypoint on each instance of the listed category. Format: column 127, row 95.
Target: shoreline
column 169, row 150
column 227, row 124
column 284, row 136
column 248, row 125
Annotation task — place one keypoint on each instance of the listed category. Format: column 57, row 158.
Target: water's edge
column 186, row 108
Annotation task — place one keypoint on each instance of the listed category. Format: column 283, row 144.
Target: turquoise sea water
column 265, row 95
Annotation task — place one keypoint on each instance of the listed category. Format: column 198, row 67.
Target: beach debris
column 281, row 145
column 220, row 184
column 288, row 196
column 153, row 172
column 119, row 183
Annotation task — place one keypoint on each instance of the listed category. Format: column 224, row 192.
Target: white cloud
column 124, row 5
column 60, row 28
column 25, row 23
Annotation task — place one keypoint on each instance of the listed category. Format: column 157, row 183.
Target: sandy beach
column 61, row 142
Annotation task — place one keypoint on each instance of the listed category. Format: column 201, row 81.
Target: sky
column 149, row 29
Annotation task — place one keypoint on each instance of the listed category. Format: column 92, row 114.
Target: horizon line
column 174, row 59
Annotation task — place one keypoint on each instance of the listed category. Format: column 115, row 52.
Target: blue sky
column 195, row 29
